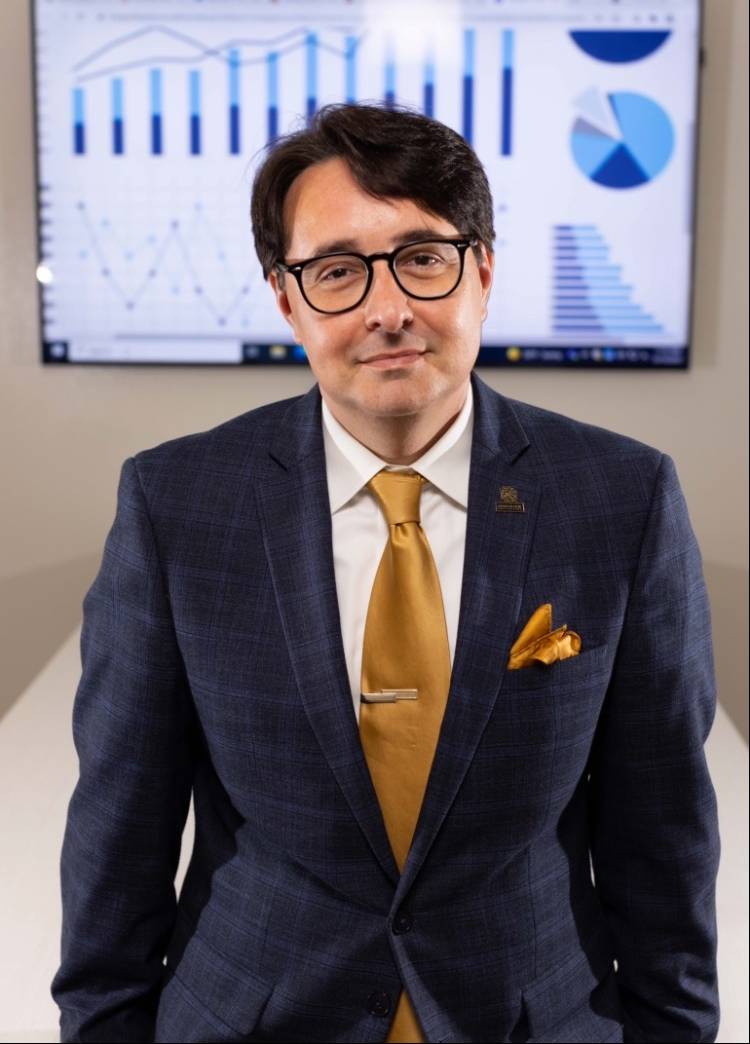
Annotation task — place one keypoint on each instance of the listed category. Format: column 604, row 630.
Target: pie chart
column 621, row 140
column 620, row 45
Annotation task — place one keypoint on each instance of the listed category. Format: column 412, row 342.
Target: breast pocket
column 557, row 706
column 589, row 667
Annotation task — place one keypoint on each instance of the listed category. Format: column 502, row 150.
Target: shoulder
column 560, row 433
column 546, row 438
column 589, row 465
column 616, row 487
column 241, row 441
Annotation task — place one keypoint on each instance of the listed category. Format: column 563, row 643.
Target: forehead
column 326, row 209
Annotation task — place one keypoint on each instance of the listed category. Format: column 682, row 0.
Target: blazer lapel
column 296, row 522
column 498, row 545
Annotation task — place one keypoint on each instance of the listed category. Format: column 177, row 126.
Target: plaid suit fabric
column 212, row 664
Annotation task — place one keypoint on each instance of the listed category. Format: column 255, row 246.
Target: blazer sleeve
column 133, row 730
column 654, row 830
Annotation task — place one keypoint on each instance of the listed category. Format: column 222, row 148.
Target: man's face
column 438, row 340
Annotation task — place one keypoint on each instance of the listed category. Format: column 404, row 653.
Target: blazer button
column 379, row 1003
column 402, row 922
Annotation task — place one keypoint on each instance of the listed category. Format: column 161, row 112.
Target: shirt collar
column 350, row 464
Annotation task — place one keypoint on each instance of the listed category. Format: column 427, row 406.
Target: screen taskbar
column 212, row 351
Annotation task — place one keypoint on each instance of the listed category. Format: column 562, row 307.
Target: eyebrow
column 335, row 246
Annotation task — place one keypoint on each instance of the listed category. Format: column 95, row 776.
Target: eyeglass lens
column 423, row 270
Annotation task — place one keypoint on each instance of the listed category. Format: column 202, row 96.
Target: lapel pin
column 508, row 500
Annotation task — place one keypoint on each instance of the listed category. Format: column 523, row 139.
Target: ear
column 282, row 300
column 486, row 268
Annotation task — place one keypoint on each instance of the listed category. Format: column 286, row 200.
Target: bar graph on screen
column 254, row 66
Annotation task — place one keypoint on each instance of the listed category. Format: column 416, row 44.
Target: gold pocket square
column 538, row 643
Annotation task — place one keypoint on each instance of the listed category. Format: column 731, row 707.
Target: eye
column 333, row 274
column 333, row 271
column 426, row 257
column 423, row 260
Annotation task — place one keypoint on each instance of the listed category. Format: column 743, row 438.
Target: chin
column 400, row 402
column 425, row 386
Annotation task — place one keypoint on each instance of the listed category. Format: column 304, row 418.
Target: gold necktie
column 405, row 679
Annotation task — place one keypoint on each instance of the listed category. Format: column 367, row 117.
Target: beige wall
column 65, row 431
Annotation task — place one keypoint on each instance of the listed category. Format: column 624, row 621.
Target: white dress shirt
column 360, row 531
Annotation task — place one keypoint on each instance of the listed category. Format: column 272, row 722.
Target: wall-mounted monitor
column 151, row 116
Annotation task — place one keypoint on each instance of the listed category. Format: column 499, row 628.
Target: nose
column 386, row 305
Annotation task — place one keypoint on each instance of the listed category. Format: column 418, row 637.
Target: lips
column 394, row 358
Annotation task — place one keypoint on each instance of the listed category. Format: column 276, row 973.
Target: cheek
column 329, row 344
column 471, row 324
column 460, row 328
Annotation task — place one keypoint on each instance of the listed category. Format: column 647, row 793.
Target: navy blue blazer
column 213, row 664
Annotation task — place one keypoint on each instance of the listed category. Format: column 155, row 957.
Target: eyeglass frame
column 462, row 243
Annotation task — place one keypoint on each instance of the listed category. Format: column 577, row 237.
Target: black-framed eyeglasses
column 426, row 269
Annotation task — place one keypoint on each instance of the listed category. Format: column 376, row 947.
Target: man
column 425, row 657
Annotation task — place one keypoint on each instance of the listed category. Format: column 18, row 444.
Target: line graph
column 202, row 51
column 133, row 270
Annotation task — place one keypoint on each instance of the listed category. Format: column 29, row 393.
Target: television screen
column 152, row 115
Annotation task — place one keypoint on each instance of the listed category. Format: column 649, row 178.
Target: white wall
column 65, row 431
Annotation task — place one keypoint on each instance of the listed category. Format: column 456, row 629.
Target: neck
column 401, row 439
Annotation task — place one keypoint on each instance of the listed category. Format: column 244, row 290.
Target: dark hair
column 392, row 152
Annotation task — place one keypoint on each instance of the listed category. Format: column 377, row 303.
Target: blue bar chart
column 194, row 127
column 156, row 112
column 79, row 122
column 273, row 96
column 118, row 116
column 389, row 75
column 234, row 102
column 428, row 103
column 590, row 295
column 467, row 120
column 506, row 93
column 312, row 76
column 350, row 85
column 242, row 63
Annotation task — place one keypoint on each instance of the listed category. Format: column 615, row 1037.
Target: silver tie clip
column 388, row 695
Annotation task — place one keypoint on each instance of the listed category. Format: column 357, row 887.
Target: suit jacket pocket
column 590, row 665
column 205, row 997
column 576, row 1000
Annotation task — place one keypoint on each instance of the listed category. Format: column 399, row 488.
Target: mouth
column 393, row 360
